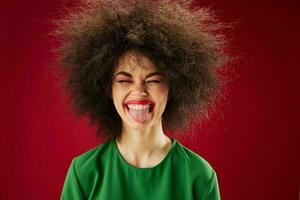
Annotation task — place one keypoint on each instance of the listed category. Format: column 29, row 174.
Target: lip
column 140, row 102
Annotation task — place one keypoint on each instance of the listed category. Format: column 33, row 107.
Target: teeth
column 138, row 107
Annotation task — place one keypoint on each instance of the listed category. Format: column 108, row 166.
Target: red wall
column 251, row 143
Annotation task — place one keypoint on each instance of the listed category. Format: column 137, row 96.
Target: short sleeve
column 72, row 189
column 212, row 191
column 207, row 190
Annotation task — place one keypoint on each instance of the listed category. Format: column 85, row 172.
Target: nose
column 140, row 89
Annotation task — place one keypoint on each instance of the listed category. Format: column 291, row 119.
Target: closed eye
column 123, row 81
column 155, row 81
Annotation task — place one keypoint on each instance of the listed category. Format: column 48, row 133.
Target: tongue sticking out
column 139, row 115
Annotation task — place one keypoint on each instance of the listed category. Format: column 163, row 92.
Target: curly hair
column 186, row 44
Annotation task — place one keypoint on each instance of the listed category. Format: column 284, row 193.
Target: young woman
column 138, row 68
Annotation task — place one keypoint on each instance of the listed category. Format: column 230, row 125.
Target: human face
column 136, row 78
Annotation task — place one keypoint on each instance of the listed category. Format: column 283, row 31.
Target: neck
column 142, row 144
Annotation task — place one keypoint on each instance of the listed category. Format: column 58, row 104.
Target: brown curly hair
column 185, row 43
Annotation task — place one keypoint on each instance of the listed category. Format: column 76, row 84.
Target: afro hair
column 185, row 43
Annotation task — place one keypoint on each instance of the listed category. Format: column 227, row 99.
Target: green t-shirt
column 103, row 174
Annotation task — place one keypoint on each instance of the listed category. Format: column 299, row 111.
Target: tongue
column 139, row 115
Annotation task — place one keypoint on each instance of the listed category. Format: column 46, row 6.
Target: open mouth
column 150, row 109
column 140, row 113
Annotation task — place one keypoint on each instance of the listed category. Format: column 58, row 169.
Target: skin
column 142, row 144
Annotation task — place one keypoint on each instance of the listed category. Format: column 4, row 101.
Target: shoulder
column 89, row 160
column 198, row 166
column 83, row 172
column 203, row 175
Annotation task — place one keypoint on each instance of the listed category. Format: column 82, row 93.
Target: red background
column 252, row 143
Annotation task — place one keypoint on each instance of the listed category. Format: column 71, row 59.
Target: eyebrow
column 129, row 75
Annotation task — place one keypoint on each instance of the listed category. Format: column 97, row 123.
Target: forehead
column 132, row 61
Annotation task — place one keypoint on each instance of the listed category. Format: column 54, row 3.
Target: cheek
column 115, row 89
column 162, row 91
column 118, row 94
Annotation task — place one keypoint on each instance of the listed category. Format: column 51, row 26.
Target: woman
column 138, row 68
